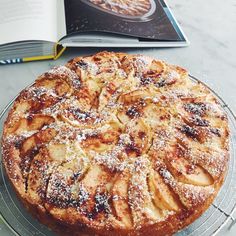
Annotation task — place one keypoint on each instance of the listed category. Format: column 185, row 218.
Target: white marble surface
column 209, row 25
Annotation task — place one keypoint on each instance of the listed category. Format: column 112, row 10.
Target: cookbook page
column 143, row 19
column 61, row 19
column 28, row 20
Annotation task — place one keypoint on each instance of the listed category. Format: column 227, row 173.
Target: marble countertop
column 210, row 28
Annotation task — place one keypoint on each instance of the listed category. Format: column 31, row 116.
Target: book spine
column 59, row 49
column 26, row 59
column 11, row 61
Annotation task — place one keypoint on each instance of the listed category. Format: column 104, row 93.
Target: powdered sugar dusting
column 113, row 116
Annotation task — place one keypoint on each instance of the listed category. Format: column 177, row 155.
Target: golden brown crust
column 116, row 144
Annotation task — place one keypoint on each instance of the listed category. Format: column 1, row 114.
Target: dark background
column 81, row 17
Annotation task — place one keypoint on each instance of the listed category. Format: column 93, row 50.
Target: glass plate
column 211, row 222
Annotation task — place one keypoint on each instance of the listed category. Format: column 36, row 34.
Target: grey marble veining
column 211, row 29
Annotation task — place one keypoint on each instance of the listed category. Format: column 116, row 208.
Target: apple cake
column 116, row 144
column 124, row 7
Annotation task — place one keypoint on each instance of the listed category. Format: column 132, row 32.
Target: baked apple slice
column 162, row 196
column 31, row 123
column 189, row 173
column 120, row 199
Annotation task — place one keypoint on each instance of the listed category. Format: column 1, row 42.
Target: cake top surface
column 116, row 140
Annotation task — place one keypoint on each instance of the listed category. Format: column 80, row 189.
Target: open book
column 39, row 29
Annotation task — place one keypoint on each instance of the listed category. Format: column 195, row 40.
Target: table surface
column 210, row 28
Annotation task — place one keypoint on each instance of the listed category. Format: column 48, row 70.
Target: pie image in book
column 128, row 8
column 116, row 144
